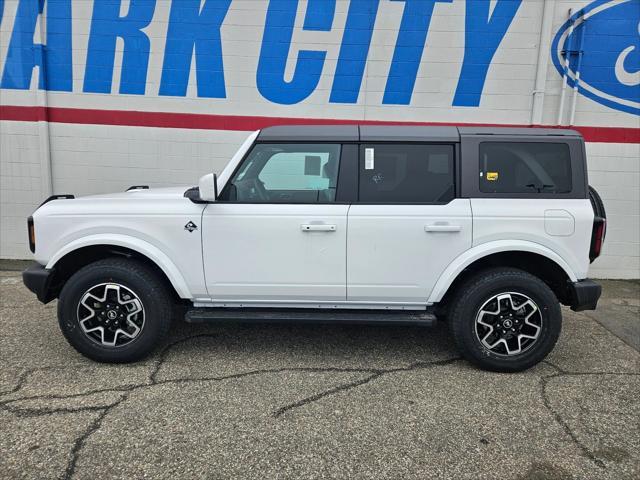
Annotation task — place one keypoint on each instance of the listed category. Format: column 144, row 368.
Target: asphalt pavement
column 314, row 401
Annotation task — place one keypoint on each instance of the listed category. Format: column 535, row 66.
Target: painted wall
column 99, row 95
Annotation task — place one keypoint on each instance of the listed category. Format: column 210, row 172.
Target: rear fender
column 476, row 253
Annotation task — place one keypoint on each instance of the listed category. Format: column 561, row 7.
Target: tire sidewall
column 91, row 276
column 481, row 293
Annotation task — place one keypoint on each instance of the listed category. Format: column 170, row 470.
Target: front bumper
column 39, row 280
column 584, row 295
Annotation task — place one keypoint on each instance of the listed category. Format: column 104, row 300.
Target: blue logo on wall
column 608, row 71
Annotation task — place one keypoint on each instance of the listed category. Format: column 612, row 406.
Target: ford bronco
column 487, row 229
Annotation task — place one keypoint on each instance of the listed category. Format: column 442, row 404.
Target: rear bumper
column 584, row 295
column 39, row 280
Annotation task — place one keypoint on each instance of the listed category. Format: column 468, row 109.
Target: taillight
column 32, row 235
column 597, row 237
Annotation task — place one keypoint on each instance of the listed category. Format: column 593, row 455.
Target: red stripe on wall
column 131, row 118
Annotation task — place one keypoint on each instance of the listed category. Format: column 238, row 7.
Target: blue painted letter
column 54, row 59
column 106, row 26
column 482, row 38
column 276, row 41
column 408, row 52
column 191, row 27
column 354, row 49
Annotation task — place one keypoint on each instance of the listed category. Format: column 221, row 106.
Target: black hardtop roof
column 398, row 133
column 522, row 131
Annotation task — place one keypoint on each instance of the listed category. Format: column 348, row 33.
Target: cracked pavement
column 311, row 401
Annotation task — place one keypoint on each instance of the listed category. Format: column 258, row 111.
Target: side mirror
column 208, row 187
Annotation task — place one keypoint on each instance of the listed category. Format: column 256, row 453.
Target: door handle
column 442, row 228
column 317, row 227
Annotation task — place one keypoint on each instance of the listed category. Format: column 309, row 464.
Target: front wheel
column 114, row 310
column 505, row 320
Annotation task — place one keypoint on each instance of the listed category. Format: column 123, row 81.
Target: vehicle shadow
column 361, row 345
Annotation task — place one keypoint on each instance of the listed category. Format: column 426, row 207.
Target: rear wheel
column 114, row 310
column 505, row 320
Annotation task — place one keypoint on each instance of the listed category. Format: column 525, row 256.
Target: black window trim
column 470, row 166
column 456, row 169
column 465, row 164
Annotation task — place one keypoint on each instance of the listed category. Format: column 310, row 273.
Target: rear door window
column 406, row 173
column 531, row 168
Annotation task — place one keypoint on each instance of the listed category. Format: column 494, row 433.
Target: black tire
column 478, row 290
column 597, row 203
column 154, row 296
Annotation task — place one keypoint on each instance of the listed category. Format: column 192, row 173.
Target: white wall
column 614, row 170
column 20, row 185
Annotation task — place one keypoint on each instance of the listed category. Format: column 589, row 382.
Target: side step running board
column 392, row 317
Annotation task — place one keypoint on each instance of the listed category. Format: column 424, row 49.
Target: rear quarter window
column 528, row 168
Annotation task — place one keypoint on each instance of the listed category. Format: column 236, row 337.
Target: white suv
column 488, row 229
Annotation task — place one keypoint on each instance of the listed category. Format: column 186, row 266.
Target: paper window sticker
column 492, row 176
column 368, row 159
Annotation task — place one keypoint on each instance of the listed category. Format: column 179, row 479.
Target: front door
column 277, row 235
column 407, row 226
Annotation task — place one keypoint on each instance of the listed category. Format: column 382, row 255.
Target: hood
column 141, row 194
column 145, row 202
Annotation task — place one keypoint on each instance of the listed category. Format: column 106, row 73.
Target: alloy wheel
column 111, row 314
column 509, row 323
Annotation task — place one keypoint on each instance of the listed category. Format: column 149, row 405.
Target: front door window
column 286, row 173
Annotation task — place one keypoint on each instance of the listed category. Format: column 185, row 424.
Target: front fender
column 140, row 246
column 476, row 253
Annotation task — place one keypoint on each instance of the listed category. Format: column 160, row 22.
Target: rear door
column 407, row 225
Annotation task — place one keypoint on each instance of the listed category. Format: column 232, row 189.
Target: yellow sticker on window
column 492, row 176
